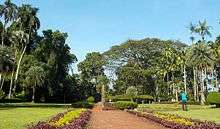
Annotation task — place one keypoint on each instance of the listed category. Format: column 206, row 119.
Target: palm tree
column 202, row 57
column 202, row 29
column 9, row 12
column 29, row 22
column 201, row 53
column 35, row 76
column 17, row 38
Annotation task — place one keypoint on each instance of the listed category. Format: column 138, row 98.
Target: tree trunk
column 169, row 87
column 173, row 85
column 18, row 68
column 2, row 83
column 184, row 74
column 176, row 94
column 216, row 79
column 0, row 79
column 33, row 95
column 205, row 81
column 197, row 84
column 3, row 33
column 103, row 95
column 11, row 84
column 194, row 85
column 202, row 87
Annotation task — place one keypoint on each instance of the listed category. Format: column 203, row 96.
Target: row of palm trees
column 18, row 32
column 201, row 57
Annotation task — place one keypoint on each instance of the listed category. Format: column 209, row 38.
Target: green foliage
column 214, row 98
column 131, row 92
column 92, row 66
column 35, row 76
column 118, row 98
column 82, row 104
column 125, row 105
column 2, row 94
column 90, row 99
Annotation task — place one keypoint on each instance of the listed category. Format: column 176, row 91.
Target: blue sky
column 96, row 25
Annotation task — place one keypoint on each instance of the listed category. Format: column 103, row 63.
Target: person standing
column 183, row 98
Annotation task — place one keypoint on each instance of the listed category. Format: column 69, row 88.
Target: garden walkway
column 114, row 119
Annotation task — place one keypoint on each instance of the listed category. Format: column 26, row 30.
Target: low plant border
column 197, row 124
column 78, row 123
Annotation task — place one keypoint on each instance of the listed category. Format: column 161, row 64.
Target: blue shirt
column 183, row 96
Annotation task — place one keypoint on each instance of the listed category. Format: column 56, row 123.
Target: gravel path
column 115, row 119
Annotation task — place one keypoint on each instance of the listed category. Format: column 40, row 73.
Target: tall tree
column 9, row 11
column 35, row 76
column 29, row 23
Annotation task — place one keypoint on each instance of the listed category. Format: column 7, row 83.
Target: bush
column 143, row 99
column 12, row 100
column 125, row 105
column 138, row 98
column 108, row 106
column 82, row 104
column 90, row 99
column 2, row 94
column 214, row 98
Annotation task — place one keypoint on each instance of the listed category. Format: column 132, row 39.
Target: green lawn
column 171, row 107
column 195, row 111
column 202, row 114
column 20, row 117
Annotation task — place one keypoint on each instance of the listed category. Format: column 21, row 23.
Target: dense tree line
column 163, row 68
column 34, row 65
column 38, row 66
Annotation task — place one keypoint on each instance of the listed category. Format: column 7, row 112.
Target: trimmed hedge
column 139, row 98
column 12, row 100
column 108, row 106
column 214, row 98
column 125, row 105
column 82, row 104
column 170, row 102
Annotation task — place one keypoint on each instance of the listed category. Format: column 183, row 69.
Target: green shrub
column 2, row 94
column 139, row 98
column 12, row 100
column 90, row 99
column 125, row 105
column 214, row 98
column 108, row 106
column 119, row 98
column 82, row 104
column 143, row 99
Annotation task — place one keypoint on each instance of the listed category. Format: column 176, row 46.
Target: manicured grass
column 212, row 114
column 20, row 117
column 170, row 107
column 194, row 111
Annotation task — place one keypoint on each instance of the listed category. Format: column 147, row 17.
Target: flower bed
column 174, row 121
column 75, row 119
